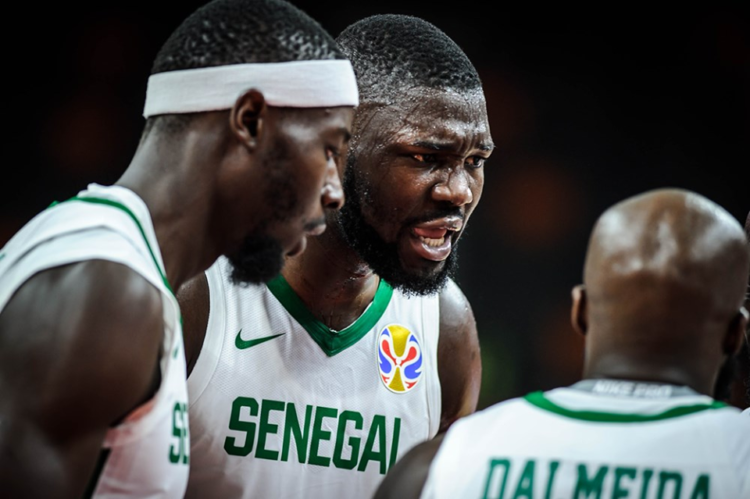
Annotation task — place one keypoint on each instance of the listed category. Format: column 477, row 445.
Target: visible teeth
column 433, row 242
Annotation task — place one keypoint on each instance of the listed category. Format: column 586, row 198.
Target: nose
column 332, row 195
column 455, row 189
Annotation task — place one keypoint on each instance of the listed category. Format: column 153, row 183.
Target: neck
column 331, row 280
column 621, row 367
column 168, row 176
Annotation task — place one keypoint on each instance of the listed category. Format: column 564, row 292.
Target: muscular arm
column 459, row 362
column 79, row 349
column 194, row 305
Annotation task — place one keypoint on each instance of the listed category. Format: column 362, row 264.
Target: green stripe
column 539, row 400
column 122, row 207
column 332, row 342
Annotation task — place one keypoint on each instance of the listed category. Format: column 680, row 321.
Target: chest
column 279, row 394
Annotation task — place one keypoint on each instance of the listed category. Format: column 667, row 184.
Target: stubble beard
column 260, row 258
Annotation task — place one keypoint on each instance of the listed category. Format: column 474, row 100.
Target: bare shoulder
column 79, row 350
column 74, row 332
column 193, row 297
column 407, row 477
column 456, row 315
column 459, row 361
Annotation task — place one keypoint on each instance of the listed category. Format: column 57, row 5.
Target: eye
column 332, row 153
column 425, row 158
column 475, row 162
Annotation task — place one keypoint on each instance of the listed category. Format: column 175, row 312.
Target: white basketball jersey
column 148, row 453
column 283, row 407
column 610, row 439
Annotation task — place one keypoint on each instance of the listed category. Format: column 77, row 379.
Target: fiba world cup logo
column 400, row 358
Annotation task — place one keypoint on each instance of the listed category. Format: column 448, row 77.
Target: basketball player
column 238, row 157
column 661, row 310
column 314, row 384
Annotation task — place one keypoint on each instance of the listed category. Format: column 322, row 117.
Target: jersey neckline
column 539, row 400
column 330, row 341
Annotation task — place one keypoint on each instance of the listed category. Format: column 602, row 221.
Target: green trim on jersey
column 120, row 206
column 539, row 400
column 332, row 342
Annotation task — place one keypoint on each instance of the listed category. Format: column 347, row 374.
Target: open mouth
column 433, row 240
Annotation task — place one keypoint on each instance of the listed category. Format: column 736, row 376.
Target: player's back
column 639, row 440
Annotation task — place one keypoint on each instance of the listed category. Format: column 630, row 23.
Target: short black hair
column 389, row 51
column 244, row 31
column 224, row 32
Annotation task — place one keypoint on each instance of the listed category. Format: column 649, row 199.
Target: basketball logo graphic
column 400, row 358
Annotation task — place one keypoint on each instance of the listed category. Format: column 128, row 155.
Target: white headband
column 319, row 83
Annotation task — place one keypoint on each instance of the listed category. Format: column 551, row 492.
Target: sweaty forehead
column 422, row 114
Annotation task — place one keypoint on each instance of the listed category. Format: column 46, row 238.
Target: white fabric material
column 291, row 374
column 320, row 83
column 516, row 447
column 139, row 460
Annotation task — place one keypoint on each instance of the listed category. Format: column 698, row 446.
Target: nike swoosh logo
column 243, row 344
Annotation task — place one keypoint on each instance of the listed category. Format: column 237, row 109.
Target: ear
column 579, row 312
column 246, row 118
column 737, row 329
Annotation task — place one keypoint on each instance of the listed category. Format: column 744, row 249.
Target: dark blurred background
column 587, row 107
